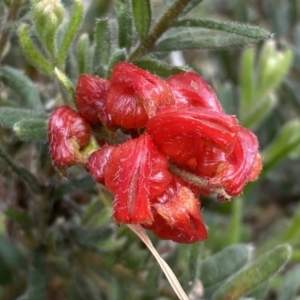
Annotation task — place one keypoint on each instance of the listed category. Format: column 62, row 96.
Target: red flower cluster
column 178, row 121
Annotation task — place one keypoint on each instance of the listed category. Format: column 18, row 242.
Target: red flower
column 177, row 215
column 186, row 127
column 242, row 164
column 135, row 95
column 91, row 93
column 190, row 90
column 182, row 134
column 97, row 162
column 135, row 173
column 68, row 134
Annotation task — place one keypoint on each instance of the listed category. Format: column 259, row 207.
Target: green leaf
column 287, row 140
column 183, row 38
column 190, row 6
column 102, row 37
column 152, row 282
column 158, row 67
column 119, row 55
column 290, row 235
column 83, row 54
column 259, row 110
column 9, row 116
column 19, row 216
column 37, row 278
column 65, row 83
column 272, row 68
column 31, row 129
column 11, row 254
column 70, row 33
column 236, row 28
column 21, row 172
column 291, row 284
column 31, row 52
column 124, row 15
column 85, row 182
column 223, row 264
column 247, row 81
column 21, row 84
column 5, row 273
column 254, row 274
column 141, row 10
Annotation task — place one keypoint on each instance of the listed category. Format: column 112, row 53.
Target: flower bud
column 68, row 135
column 47, row 15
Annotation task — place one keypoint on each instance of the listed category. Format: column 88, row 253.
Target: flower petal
column 131, row 174
column 177, row 215
column 238, row 170
column 68, row 133
column 181, row 134
column 91, row 93
column 191, row 90
column 135, row 95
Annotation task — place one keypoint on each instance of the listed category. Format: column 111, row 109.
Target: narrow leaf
column 287, row 140
column 254, row 274
column 65, row 82
column 220, row 266
column 241, row 29
column 19, row 216
column 291, row 284
column 72, row 28
column 31, row 130
column 5, row 273
column 119, row 55
column 31, row 52
column 141, row 10
column 259, row 110
column 158, row 67
column 37, row 278
column 140, row 232
column 247, row 81
column 183, row 38
column 190, row 6
column 290, row 235
column 9, row 116
column 83, row 49
column 21, row 172
column 102, row 38
column 11, row 254
column 272, row 68
column 124, row 16
column 21, row 84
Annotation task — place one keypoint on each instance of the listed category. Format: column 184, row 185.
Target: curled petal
column 97, row 162
column 131, row 175
column 91, row 93
column 191, row 90
column 177, row 215
column 256, row 167
column 135, row 95
column 125, row 109
column 68, row 133
column 242, row 164
column 181, row 134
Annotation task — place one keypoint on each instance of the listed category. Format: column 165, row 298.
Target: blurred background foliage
column 57, row 237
